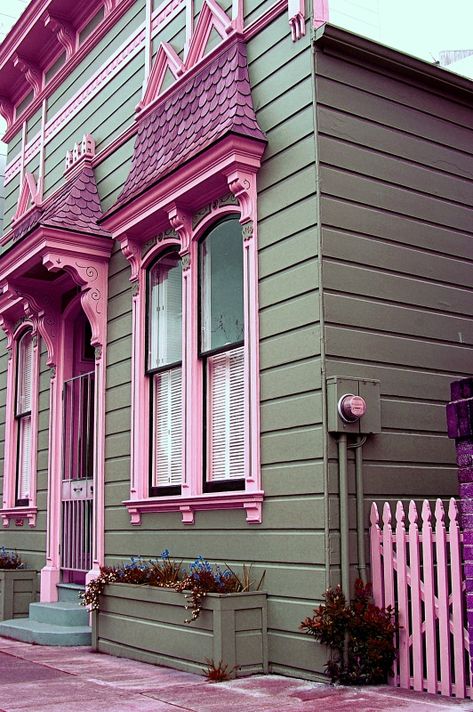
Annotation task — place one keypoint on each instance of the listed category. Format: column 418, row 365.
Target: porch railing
column 416, row 567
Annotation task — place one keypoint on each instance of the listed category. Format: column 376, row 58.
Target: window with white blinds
column 165, row 372
column 167, row 428
column 24, row 397
column 225, row 416
column 222, row 353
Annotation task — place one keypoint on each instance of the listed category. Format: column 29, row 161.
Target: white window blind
column 225, row 416
column 167, row 427
column 24, row 458
column 165, row 313
column 24, row 397
column 25, row 374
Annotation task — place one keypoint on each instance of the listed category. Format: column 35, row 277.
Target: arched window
column 222, row 353
column 164, row 367
column 23, row 406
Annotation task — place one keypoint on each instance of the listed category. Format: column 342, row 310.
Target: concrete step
column 62, row 613
column 31, row 631
column 69, row 592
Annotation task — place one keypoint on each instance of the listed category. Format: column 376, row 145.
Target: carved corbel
column 33, row 74
column 109, row 6
column 91, row 276
column 45, row 314
column 181, row 221
column 296, row 18
column 7, row 110
column 243, row 186
column 65, row 32
column 131, row 251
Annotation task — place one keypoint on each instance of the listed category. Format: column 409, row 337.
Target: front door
column 78, row 457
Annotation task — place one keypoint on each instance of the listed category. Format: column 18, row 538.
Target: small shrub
column 10, row 559
column 368, row 630
column 219, row 672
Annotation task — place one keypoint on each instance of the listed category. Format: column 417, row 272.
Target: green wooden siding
column 395, row 184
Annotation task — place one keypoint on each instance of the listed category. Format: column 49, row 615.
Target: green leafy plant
column 10, row 559
column 218, row 672
column 361, row 628
column 201, row 578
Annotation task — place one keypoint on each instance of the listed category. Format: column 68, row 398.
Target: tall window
column 222, row 353
column 23, row 404
column 164, row 366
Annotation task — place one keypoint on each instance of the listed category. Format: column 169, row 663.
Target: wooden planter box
column 147, row 624
column 17, row 591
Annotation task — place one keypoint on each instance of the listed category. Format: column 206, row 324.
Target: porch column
column 460, row 427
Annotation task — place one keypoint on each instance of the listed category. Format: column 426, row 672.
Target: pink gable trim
column 166, row 58
column 211, row 17
column 29, row 196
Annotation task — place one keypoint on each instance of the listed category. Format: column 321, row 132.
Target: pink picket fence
column 416, row 567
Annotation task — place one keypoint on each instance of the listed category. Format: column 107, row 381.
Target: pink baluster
column 402, row 598
column 388, row 557
column 375, row 547
column 429, row 598
column 443, row 603
column 417, row 649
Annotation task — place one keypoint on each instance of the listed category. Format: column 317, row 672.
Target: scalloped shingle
column 211, row 104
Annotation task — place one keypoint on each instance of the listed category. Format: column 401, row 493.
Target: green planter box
column 147, row 624
column 17, row 591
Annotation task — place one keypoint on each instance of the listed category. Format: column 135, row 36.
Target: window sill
column 19, row 515
column 252, row 502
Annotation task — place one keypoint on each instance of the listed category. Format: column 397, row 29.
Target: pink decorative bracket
column 33, row 74
column 242, row 184
column 65, row 32
column 7, row 110
column 91, row 276
column 296, row 10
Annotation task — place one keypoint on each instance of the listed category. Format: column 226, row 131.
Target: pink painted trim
column 96, row 83
column 321, row 12
column 265, row 19
column 19, row 515
column 9, row 311
column 252, row 502
column 12, row 41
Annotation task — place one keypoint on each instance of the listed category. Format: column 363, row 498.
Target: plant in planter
column 137, row 614
column 17, row 585
column 10, row 559
column 365, row 631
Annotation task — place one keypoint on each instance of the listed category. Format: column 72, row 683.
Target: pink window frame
column 192, row 497
column 10, row 510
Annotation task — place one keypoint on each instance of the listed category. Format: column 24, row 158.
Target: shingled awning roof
column 75, row 207
column 212, row 103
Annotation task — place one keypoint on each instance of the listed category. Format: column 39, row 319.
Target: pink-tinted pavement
column 36, row 679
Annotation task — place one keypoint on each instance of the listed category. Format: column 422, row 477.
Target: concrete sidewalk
column 34, row 678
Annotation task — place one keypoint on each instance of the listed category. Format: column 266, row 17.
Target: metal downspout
column 360, row 515
column 344, row 524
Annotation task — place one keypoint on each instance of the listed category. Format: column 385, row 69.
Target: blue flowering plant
column 200, row 578
column 10, row 559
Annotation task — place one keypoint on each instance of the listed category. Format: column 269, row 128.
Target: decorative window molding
column 234, row 181
column 21, row 418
